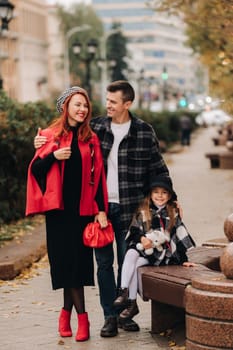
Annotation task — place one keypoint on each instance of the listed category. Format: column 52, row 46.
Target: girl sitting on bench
column 158, row 211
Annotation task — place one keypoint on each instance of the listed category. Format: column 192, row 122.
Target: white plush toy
column 157, row 238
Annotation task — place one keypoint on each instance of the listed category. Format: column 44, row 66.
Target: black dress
column 71, row 262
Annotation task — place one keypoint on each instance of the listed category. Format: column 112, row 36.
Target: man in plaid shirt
column 132, row 159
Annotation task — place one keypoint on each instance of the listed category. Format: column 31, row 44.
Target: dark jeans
column 185, row 137
column 105, row 259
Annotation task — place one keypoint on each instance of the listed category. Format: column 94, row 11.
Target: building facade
column 32, row 51
column 24, row 52
column 159, row 58
column 56, row 53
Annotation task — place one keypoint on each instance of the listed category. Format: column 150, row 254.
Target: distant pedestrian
column 186, row 129
column 158, row 211
column 66, row 181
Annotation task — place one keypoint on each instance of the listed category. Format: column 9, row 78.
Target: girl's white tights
column 129, row 275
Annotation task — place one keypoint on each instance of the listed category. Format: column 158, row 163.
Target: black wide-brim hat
column 164, row 182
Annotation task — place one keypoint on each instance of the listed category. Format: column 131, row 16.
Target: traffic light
column 164, row 74
column 182, row 102
column 165, row 95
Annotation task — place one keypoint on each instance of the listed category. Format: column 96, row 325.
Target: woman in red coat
column 66, row 181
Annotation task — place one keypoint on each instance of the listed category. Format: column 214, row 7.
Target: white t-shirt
column 119, row 132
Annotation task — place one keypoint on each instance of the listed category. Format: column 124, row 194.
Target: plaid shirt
column 139, row 161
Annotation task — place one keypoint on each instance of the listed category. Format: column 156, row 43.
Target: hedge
column 18, row 126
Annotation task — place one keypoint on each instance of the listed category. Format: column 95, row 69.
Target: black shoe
column 131, row 310
column 122, row 298
column 110, row 328
column 128, row 325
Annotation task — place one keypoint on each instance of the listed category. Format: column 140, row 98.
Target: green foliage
column 97, row 109
column 5, row 102
column 166, row 124
column 18, row 126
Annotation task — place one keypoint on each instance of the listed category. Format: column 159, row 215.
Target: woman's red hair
column 62, row 125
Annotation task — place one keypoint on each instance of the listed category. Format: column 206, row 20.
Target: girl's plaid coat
column 174, row 252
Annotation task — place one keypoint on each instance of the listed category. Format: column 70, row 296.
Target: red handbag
column 96, row 237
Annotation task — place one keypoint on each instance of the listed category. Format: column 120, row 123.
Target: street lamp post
column 90, row 55
column 6, row 15
column 140, row 92
column 103, row 53
column 66, row 55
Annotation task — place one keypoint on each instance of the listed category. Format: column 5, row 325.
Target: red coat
column 37, row 202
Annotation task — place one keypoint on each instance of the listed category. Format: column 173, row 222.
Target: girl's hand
column 101, row 217
column 62, row 153
column 39, row 140
column 189, row 264
column 146, row 242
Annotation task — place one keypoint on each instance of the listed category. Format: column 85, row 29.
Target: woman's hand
column 39, row 140
column 101, row 217
column 146, row 242
column 62, row 153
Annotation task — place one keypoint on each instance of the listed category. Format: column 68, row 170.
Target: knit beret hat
column 164, row 182
column 68, row 92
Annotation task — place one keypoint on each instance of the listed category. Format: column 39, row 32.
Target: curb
column 17, row 255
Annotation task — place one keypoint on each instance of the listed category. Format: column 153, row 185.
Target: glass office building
column 156, row 43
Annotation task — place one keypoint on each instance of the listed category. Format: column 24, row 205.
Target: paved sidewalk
column 29, row 308
column 205, row 194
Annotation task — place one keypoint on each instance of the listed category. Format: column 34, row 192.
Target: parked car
column 213, row 117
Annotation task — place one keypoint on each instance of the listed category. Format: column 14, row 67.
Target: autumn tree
column 78, row 15
column 210, row 32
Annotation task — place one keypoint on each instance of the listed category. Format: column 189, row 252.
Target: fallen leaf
column 171, row 343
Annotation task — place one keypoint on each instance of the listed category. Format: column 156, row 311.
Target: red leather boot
column 83, row 327
column 64, row 323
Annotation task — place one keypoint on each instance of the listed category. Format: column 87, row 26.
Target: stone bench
column 209, row 313
column 219, row 140
column 214, row 159
column 167, row 287
column 222, row 160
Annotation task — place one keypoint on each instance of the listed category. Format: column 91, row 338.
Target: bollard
column 209, row 304
column 209, row 314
